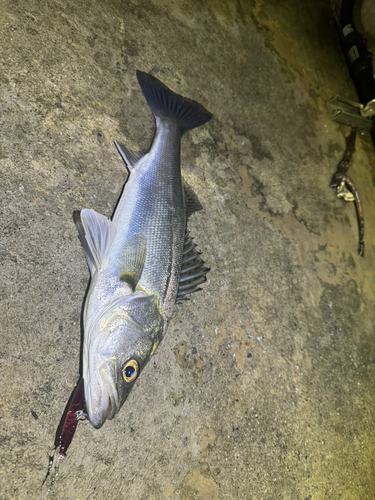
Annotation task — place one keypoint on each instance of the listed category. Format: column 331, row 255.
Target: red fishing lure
column 68, row 425
column 75, row 411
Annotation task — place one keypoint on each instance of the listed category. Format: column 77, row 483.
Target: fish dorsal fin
column 193, row 270
column 96, row 233
column 132, row 260
column 192, row 203
column 131, row 159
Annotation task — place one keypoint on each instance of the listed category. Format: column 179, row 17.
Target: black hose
column 346, row 13
column 358, row 57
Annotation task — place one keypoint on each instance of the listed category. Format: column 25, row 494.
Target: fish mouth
column 103, row 401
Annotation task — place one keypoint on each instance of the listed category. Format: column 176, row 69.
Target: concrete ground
column 263, row 387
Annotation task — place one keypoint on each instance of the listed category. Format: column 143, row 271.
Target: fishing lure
column 66, row 430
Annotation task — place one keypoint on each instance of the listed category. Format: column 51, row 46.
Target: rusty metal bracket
column 351, row 113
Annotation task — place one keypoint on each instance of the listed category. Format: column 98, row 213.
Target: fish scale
column 142, row 260
column 157, row 173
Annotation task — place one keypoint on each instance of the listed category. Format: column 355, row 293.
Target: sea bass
column 142, row 261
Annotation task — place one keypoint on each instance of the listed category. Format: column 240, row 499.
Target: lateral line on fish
column 155, row 205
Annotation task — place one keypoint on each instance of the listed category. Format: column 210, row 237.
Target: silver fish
column 142, row 261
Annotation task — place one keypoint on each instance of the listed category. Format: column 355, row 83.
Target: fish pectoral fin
column 193, row 270
column 131, row 159
column 132, row 260
column 192, row 203
column 96, row 233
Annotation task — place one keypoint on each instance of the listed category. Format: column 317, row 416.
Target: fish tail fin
column 164, row 102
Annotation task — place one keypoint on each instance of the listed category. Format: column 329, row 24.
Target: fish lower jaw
column 106, row 409
column 97, row 419
column 95, row 423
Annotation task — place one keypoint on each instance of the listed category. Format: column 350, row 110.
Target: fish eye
column 130, row 370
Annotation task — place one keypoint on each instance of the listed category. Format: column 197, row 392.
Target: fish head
column 121, row 343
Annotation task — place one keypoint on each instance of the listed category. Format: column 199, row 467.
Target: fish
column 142, row 261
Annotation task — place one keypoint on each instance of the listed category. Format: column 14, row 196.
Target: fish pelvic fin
column 132, row 260
column 164, row 102
column 193, row 270
column 96, row 233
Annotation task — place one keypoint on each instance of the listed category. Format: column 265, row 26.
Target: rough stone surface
column 264, row 385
